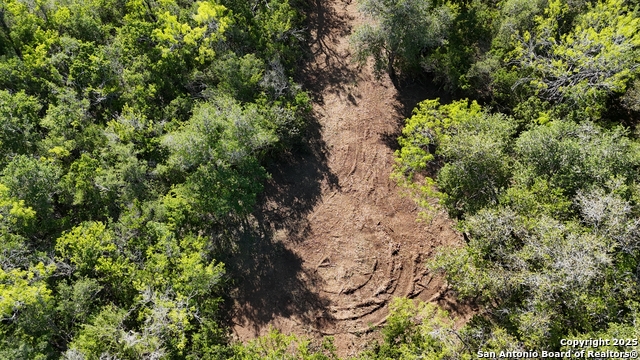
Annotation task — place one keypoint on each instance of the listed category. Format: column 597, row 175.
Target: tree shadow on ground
column 269, row 279
column 410, row 93
column 325, row 69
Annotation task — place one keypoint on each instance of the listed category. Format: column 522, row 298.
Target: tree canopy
column 542, row 178
column 133, row 135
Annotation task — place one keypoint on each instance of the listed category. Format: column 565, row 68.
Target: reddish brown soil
column 335, row 241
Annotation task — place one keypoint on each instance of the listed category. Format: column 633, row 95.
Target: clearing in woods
column 334, row 240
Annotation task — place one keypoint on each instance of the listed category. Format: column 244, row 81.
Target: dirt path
column 335, row 241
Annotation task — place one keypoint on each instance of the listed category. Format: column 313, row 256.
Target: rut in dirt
column 334, row 241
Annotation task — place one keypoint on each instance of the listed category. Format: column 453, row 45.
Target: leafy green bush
column 549, row 214
column 401, row 32
column 129, row 129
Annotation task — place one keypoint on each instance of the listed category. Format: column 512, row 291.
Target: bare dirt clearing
column 335, row 241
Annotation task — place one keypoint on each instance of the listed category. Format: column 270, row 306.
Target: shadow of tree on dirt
column 410, row 93
column 269, row 282
column 269, row 279
column 326, row 69
column 296, row 186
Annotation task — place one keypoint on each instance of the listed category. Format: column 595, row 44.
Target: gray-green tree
column 400, row 33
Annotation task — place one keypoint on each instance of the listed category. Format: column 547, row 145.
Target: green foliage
column 239, row 76
column 631, row 98
column 576, row 55
column 417, row 331
column 25, row 304
column 572, row 156
column 401, row 33
column 275, row 29
column 276, row 345
column 547, row 277
column 549, row 250
column 473, row 144
column 614, row 331
column 69, row 126
column 101, row 336
column 75, row 304
column 133, row 136
column 22, row 289
column 89, row 247
column 18, row 124
column 217, row 153
column 209, row 26
column 468, row 38
column 224, row 133
column 14, row 215
column 582, row 65
column 34, row 181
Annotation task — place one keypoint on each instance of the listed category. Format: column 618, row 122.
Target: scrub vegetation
column 132, row 136
column 538, row 162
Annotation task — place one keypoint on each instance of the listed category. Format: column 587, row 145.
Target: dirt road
column 336, row 241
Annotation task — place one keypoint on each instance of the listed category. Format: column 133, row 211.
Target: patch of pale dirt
column 334, row 240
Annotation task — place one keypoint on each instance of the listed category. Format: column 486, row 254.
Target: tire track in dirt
column 337, row 235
